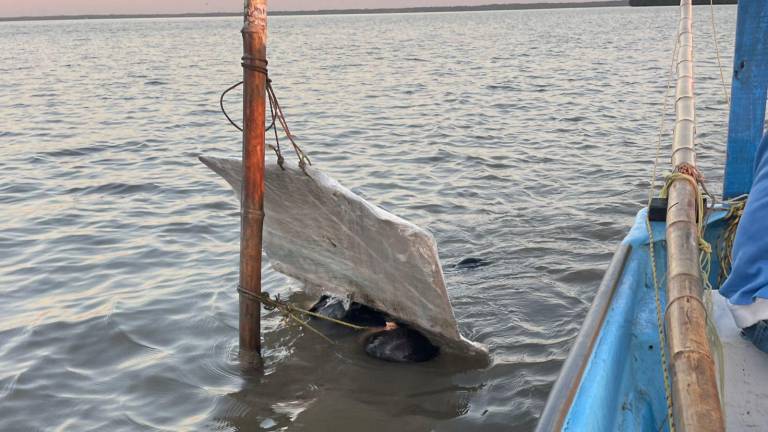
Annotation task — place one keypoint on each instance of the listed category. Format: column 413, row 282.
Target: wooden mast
column 694, row 385
column 252, row 200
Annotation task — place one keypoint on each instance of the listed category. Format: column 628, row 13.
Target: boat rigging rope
column 221, row 104
column 295, row 313
column 651, row 251
column 277, row 115
column 717, row 50
column 662, row 331
column 724, row 247
column 732, row 219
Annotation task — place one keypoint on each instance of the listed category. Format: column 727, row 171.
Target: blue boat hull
column 613, row 379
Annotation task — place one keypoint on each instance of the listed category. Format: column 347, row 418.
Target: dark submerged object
column 401, row 344
column 331, row 307
column 356, row 313
column 471, row 262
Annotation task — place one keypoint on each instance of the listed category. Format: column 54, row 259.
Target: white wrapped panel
column 321, row 233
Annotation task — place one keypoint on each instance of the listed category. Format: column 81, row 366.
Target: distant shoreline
column 489, row 7
column 677, row 2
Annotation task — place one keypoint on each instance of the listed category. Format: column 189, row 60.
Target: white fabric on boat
column 746, row 373
column 749, row 314
column 321, row 233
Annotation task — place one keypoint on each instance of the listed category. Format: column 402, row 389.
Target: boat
column 658, row 349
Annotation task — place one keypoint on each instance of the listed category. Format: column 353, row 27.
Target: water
column 522, row 137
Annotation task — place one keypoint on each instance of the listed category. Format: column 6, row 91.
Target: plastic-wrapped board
column 321, row 233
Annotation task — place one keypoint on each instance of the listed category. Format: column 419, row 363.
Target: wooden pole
column 252, row 202
column 694, row 385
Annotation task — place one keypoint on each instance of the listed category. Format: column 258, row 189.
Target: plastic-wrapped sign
column 335, row 242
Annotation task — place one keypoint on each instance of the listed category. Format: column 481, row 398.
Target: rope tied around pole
column 295, row 313
column 684, row 112
column 278, row 117
column 732, row 219
column 691, row 174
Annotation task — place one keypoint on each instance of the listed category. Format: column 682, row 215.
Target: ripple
column 522, row 138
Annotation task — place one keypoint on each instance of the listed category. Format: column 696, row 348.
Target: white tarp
column 321, row 233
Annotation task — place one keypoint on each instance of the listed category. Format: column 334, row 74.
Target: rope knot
column 295, row 313
column 691, row 171
column 705, row 246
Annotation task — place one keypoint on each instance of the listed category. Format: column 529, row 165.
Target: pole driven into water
column 694, row 385
column 252, row 200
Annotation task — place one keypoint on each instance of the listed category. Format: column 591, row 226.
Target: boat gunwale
column 565, row 388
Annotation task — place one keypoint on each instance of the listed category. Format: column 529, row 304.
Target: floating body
column 401, row 344
column 386, row 340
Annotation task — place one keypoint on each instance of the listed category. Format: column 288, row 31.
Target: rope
column 732, row 219
column 277, row 115
column 706, row 258
column 223, row 110
column 295, row 313
column 717, row 50
column 276, row 148
column 691, row 174
column 662, row 328
column 652, row 255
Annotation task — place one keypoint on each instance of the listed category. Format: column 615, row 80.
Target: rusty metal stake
column 252, row 202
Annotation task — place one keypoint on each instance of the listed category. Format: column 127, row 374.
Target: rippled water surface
column 522, row 137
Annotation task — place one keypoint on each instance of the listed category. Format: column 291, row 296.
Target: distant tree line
column 487, row 7
column 676, row 2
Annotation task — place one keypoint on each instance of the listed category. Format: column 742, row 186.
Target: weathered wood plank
column 748, row 96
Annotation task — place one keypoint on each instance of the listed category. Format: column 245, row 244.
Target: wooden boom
column 694, row 385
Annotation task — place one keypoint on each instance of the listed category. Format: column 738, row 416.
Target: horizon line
column 361, row 11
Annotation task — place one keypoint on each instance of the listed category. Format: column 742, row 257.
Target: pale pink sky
column 77, row 7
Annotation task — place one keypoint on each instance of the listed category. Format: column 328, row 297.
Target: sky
column 9, row 8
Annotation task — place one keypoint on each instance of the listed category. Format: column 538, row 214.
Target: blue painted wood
column 748, row 96
column 622, row 388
